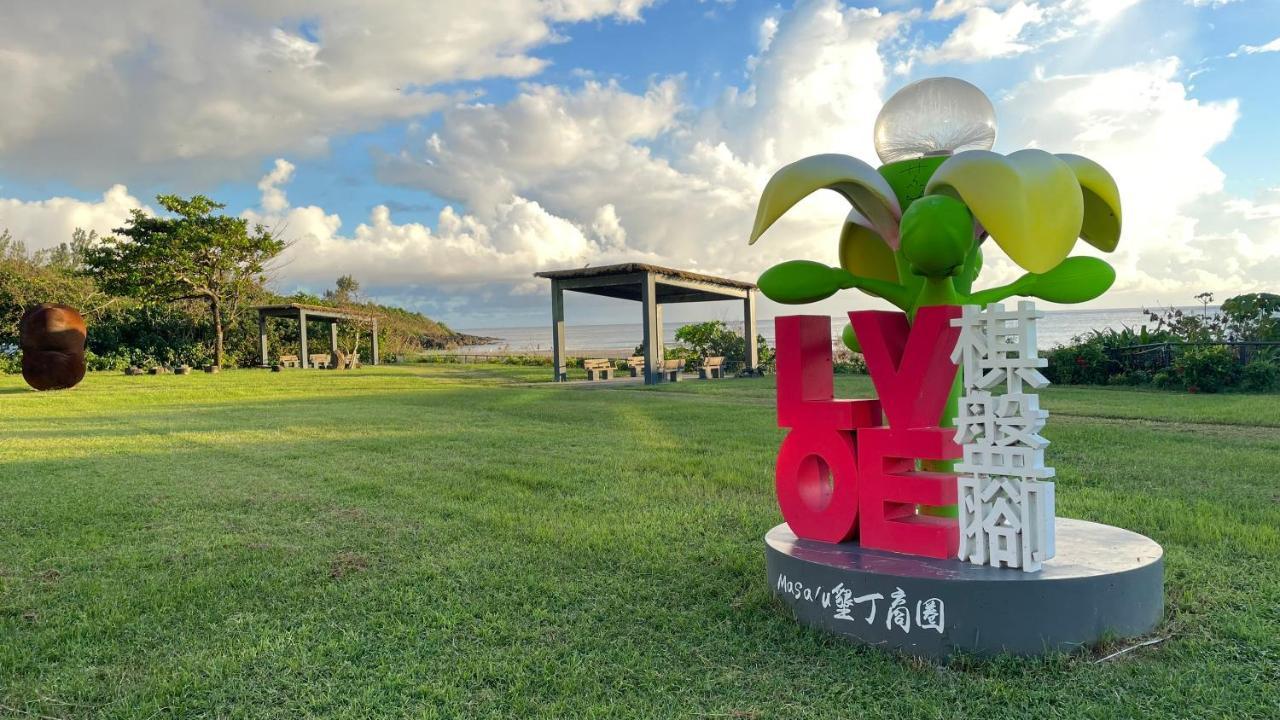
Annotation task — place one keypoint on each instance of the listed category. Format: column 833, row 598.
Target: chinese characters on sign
column 1006, row 502
column 901, row 612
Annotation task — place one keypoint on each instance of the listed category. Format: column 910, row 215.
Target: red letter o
column 817, row 483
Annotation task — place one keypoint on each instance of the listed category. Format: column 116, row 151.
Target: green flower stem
column 1001, row 292
column 935, row 291
column 941, row 291
column 892, row 292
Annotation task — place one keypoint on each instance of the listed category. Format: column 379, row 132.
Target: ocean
column 1058, row 327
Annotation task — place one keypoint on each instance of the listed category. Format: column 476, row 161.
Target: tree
column 1205, row 298
column 345, row 295
column 30, row 278
column 194, row 255
column 713, row 339
column 345, row 291
column 1254, row 316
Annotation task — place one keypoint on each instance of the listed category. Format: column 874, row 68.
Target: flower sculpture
column 908, row 515
column 916, row 232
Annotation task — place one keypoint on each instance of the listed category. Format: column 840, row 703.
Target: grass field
column 449, row 541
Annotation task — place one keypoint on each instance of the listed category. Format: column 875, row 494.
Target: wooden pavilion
column 654, row 287
column 307, row 313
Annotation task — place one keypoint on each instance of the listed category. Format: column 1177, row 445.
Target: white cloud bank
column 559, row 177
column 43, row 224
column 99, row 91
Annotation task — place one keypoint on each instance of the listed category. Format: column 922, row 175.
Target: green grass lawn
column 450, row 541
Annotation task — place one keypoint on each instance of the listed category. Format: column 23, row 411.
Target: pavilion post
column 558, row 364
column 661, row 335
column 262, row 337
column 302, row 338
column 375, row 341
column 652, row 330
column 333, row 338
column 752, row 357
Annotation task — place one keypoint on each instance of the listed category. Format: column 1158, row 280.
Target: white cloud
column 1141, row 124
column 816, row 88
column 682, row 184
column 101, row 91
column 649, row 178
column 597, row 173
column 1273, row 46
column 517, row 237
column 47, row 223
column 985, row 33
column 273, row 196
column 998, row 28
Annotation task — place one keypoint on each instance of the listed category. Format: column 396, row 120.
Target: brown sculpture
column 52, row 337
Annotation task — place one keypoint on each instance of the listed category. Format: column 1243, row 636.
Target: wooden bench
column 353, row 361
column 636, row 363
column 670, row 369
column 318, row 360
column 598, row 369
column 712, row 368
column 288, row 361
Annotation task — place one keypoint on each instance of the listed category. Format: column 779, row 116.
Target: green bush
column 845, row 362
column 699, row 341
column 1261, row 374
column 1084, row 362
column 113, row 361
column 152, row 334
column 1207, row 369
column 527, row 360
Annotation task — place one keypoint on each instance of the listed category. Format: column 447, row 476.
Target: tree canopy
column 192, row 254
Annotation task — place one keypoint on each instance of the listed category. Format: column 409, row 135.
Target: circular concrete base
column 1104, row 581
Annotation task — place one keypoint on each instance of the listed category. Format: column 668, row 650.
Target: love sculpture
column 924, row 520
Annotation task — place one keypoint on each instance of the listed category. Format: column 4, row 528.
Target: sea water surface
column 1057, row 327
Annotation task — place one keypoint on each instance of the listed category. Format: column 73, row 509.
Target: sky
column 443, row 152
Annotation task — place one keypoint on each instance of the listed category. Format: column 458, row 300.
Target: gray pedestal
column 1104, row 581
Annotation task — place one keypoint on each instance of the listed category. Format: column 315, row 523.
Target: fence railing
column 1162, row 355
column 538, row 360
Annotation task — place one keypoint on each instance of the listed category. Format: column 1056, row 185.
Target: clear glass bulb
column 934, row 116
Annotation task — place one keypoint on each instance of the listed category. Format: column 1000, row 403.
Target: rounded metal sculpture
column 52, row 338
column 923, row 520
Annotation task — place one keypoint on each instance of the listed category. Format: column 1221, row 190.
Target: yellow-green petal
column 1102, row 221
column 863, row 252
column 1029, row 201
column 858, row 182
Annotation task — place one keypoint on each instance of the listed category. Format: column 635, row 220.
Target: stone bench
column 712, row 368
column 670, row 369
column 636, row 364
column 598, row 369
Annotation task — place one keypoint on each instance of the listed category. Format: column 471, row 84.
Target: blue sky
column 442, row 154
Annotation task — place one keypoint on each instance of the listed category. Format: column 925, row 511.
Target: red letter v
column 910, row 366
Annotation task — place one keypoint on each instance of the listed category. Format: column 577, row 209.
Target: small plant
column 845, row 362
